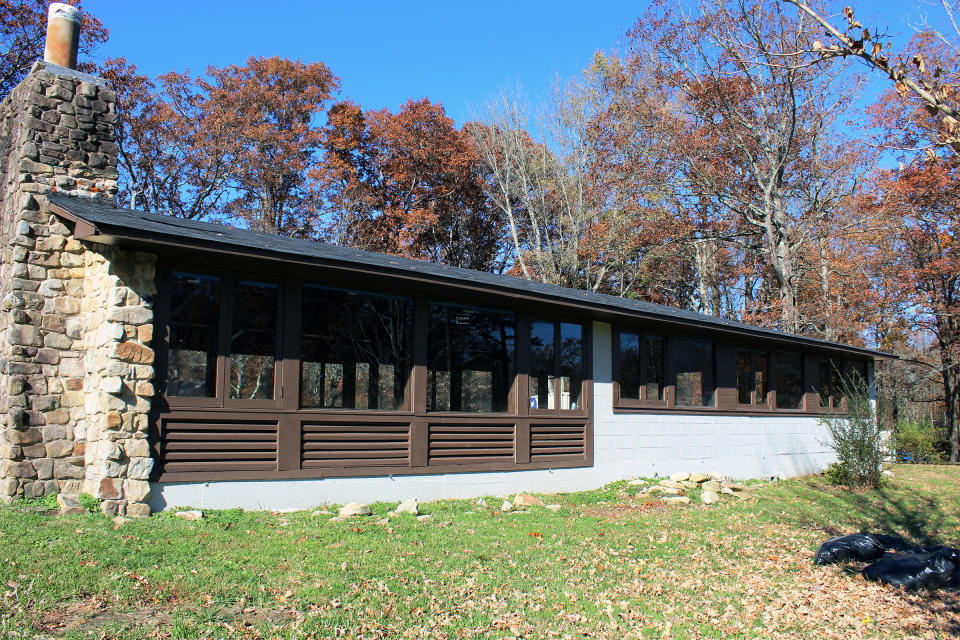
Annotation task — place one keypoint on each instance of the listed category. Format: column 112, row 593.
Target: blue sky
column 385, row 53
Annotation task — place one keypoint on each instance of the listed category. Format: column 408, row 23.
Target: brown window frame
column 753, row 406
column 202, row 450
column 619, row 402
column 584, row 386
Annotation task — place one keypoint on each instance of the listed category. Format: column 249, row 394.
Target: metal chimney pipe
column 63, row 35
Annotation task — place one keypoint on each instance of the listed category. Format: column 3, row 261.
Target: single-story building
column 154, row 361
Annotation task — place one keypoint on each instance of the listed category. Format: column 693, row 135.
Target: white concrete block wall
column 625, row 445
column 628, row 444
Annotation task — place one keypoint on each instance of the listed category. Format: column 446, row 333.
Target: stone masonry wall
column 75, row 318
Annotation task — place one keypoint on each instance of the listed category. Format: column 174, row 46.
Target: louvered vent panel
column 219, row 446
column 471, row 444
column 556, row 442
column 355, row 445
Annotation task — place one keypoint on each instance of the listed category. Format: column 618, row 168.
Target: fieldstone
column 69, row 505
column 680, row 476
column 425, row 517
column 699, row 477
column 136, row 490
column 636, row 483
column 321, row 512
column 408, row 506
column 354, row 509
column 194, row 514
column 138, row 510
column 480, row 502
column 671, row 484
column 139, row 468
column 675, row 499
column 119, row 521
column 64, row 468
column 670, row 491
column 689, row 484
column 59, row 448
column 25, row 437
column 44, row 467
column 553, row 507
column 523, row 500
column 736, row 486
column 134, row 352
column 711, row 485
column 21, row 470
column 731, row 492
column 506, row 507
column 716, row 475
column 112, row 385
column 709, row 497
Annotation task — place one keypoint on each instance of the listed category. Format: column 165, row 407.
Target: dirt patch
column 624, row 509
column 96, row 614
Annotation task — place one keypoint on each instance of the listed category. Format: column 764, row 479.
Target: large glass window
column 253, row 340
column 641, row 364
column 693, row 366
column 194, row 335
column 470, row 358
column 789, row 380
column 550, row 368
column 355, row 349
column 829, row 389
column 543, row 367
column 752, row 375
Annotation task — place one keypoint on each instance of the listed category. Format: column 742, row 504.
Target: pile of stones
column 711, row 485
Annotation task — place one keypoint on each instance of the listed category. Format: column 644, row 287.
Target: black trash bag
column 894, row 543
column 915, row 570
column 857, row 546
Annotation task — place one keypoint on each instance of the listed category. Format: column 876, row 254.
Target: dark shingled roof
column 108, row 223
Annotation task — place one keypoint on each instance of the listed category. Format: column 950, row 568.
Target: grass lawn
column 607, row 565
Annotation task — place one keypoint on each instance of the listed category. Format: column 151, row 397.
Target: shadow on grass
column 911, row 513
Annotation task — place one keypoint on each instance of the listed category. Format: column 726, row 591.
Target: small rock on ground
column 554, row 507
column 425, row 517
column 408, row 506
column 680, row 476
column 709, row 497
column 699, row 477
column 322, row 512
column 636, row 483
column 354, row 509
column 69, row 505
column 506, row 506
column 194, row 514
column 689, row 484
column 676, row 499
column 523, row 500
column 673, row 484
column 711, row 485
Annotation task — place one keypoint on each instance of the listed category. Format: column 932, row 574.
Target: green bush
column 920, row 442
column 855, row 438
column 89, row 503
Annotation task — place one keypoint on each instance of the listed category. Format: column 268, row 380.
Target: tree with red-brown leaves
column 236, row 144
column 921, row 266
column 408, row 183
column 23, row 31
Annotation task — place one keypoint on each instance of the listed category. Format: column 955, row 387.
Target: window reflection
column 693, row 363
column 355, row 349
column 253, row 340
column 752, row 375
column 194, row 335
column 789, row 366
column 542, row 366
column 641, row 365
column 571, row 365
column 470, row 359
column 546, row 386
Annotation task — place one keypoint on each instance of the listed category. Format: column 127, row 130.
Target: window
column 253, row 340
column 789, row 380
column 830, row 389
column 858, row 374
column 752, row 376
column 550, row 366
column 470, row 358
column 194, row 335
column 355, row 349
column 641, row 361
column 692, row 360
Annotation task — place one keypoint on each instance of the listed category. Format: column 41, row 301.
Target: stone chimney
column 73, row 404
